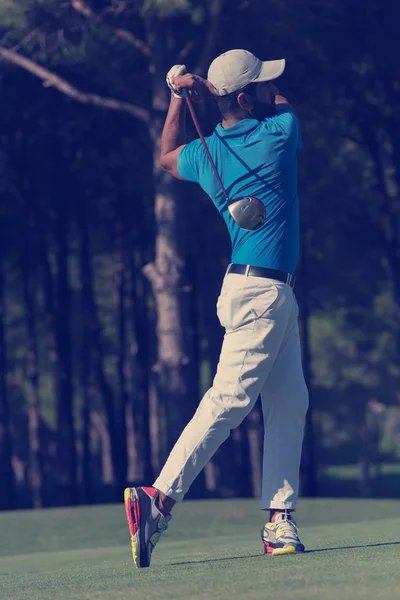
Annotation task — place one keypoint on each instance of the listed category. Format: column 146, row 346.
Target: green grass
column 353, row 471
column 211, row 551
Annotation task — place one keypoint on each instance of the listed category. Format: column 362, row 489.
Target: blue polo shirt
column 254, row 159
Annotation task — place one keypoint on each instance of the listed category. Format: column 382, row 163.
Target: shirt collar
column 239, row 129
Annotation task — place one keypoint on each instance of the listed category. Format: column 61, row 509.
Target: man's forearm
column 174, row 131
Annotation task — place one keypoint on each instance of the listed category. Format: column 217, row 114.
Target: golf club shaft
column 203, row 141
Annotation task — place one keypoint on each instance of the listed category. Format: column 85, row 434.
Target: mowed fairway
column 211, row 551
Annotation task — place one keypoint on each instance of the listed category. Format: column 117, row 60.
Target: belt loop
column 247, row 270
column 291, row 280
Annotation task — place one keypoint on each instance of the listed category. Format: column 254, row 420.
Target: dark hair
column 228, row 104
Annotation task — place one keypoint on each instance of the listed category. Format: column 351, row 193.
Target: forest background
column 110, row 270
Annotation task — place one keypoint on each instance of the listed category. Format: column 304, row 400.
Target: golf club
column 247, row 212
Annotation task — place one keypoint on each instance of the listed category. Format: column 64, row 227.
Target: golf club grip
column 203, row 141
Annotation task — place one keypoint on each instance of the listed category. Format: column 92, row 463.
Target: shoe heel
column 132, row 510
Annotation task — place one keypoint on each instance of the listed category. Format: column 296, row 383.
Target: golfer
column 255, row 149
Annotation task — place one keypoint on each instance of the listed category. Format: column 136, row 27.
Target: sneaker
column 146, row 522
column 281, row 537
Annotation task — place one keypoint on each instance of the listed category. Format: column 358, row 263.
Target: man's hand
column 281, row 103
column 196, row 86
column 175, row 70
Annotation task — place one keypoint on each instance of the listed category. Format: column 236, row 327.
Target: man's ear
column 245, row 101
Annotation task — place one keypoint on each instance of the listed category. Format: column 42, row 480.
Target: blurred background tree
column 110, row 270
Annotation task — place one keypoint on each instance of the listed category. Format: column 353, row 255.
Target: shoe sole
column 283, row 551
column 132, row 510
column 291, row 549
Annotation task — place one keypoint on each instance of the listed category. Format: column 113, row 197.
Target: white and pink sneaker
column 146, row 522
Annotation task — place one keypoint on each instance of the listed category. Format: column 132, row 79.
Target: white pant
column 260, row 356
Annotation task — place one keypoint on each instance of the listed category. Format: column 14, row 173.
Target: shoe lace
column 287, row 528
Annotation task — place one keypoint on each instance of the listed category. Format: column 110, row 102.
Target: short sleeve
column 285, row 121
column 188, row 165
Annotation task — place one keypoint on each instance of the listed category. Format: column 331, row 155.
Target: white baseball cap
column 235, row 69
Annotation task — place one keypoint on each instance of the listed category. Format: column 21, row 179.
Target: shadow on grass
column 207, row 560
column 354, row 547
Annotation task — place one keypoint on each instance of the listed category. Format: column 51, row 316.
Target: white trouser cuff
column 280, row 506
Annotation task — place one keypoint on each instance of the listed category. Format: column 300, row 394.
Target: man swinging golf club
column 255, row 148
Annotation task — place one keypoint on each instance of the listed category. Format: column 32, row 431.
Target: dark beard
column 261, row 110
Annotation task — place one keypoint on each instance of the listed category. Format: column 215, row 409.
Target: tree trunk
column 308, row 484
column 255, row 435
column 86, row 474
column 53, row 216
column 35, row 468
column 364, row 460
column 107, row 470
column 224, row 474
column 391, row 210
column 176, row 386
column 119, row 301
column 65, row 445
column 96, row 346
column 173, row 368
column 86, row 351
column 7, row 493
column 141, row 394
column 242, row 461
column 51, row 317
column 390, row 220
column 105, row 389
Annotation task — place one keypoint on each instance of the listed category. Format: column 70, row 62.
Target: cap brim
column 271, row 69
